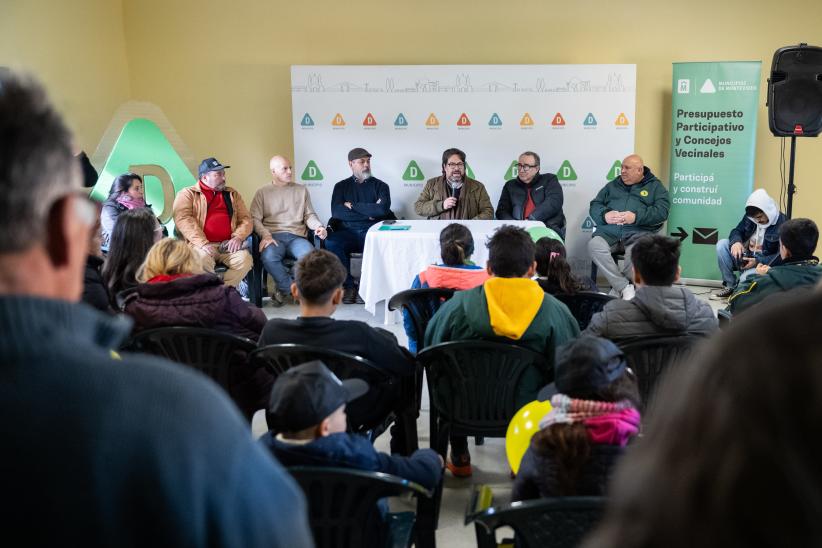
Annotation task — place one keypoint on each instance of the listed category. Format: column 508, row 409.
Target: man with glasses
column 533, row 196
column 131, row 450
column 356, row 203
column 283, row 216
column 452, row 195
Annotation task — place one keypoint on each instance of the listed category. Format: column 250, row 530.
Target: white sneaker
column 629, row 292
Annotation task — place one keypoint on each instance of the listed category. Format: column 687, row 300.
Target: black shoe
column 277, row 299
column 349, row 295
column 357, row 298
column 722, row 294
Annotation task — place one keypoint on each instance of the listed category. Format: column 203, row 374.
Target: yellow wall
column 219, row 69
column 78, row 49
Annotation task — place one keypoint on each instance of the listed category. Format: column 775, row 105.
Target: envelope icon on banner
column 707, row 236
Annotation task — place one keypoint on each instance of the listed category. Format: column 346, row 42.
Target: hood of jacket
column 760, row 200
column 512, row 304
column 195, row 300
column 671, row 308
column 339, row 449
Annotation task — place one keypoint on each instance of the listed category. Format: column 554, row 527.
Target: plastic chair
column 476, row 387
column 421, row 305
column 651, row 358
column 557, row 522
column 256, row 277
column 343, row 508
column 371, row 414
column 220, row 356
column 584, row 305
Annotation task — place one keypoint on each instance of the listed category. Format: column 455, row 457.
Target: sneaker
column 277, row 299
column 722, row 294
column 349, row 295
column 629, row 292
column 460, row 465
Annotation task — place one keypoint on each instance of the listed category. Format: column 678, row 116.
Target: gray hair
column 36, row 163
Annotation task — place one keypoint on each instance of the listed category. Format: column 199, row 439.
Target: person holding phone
column 754, row 241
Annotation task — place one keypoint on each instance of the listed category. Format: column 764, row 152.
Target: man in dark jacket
column 98, row 451
column 630, row 206
column 797, row 242
column 533, row 196
column 658, row 308
column 318, row 288
column 754, row 241
column 356, row 203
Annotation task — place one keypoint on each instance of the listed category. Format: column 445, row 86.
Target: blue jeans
column 727, row 265
column 341, row 243
column 273, row 255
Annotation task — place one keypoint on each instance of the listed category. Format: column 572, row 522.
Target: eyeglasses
column 526, row 167
column 453, row 165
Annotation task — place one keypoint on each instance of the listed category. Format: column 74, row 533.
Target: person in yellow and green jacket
column 510, row 306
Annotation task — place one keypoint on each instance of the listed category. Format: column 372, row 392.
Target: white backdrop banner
column 578, row 118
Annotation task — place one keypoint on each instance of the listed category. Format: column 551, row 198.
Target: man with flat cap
column 356, row 203
column 214, row 221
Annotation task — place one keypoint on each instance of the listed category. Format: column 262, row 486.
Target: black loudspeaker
column 795, row 92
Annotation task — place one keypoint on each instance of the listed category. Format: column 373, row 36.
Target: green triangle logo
column 566, row 172
column 312, row 172
column 144, row 149
column 588, row 223
column 512, row 172
column 307, row 121
column 495, row 120
column 413, row 172
column 590, row 120
column 615, row 171
column 468, row 172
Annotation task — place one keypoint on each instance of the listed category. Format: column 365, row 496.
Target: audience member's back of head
column 800, row 237
column 317, row 275
column 36, row 165
column 456, row 244
column 131, row 239
column 169, row 257
column 656, row 258
column 730, row 457
column 511, row 252
column 553, row 265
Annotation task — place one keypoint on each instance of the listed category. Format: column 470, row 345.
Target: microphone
column 457, row 193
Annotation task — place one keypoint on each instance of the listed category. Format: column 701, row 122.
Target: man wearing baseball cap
column 308, row 428
column 214, row 220
column 356, row 203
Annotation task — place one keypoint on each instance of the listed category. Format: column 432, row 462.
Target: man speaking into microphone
column 452, row 195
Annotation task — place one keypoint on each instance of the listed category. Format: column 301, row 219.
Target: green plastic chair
column 538, row 232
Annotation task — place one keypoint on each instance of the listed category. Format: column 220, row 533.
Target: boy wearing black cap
column 356, row 203
column 308, row 421
column 215, row 222
column 594, row 415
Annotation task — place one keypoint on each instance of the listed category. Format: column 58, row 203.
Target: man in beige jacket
column 214, row 221
column 453, row 195
column 283, row 216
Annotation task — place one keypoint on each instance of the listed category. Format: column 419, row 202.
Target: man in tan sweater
column 283, row 215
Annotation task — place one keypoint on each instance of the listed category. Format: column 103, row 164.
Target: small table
column 392, row 258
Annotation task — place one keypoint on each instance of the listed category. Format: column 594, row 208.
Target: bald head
column 281, row 170
column 633, row 169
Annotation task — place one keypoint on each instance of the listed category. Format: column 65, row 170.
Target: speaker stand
column 791, row 186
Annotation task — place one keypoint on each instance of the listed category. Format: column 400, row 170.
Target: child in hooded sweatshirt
column 509, row 306
column 593, row 417
column 754, row 241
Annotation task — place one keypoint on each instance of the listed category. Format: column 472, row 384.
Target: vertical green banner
column 713, row 137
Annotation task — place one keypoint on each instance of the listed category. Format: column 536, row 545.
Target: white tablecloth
column 391, row 258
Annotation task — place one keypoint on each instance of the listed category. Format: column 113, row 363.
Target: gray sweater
column 655, row 310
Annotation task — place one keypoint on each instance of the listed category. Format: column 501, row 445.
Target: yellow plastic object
column 524, row 424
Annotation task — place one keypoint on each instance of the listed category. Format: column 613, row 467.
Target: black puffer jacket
column 548, row 199
column 537, row 477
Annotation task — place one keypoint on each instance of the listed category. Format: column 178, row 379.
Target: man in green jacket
column 509, row 307
column 797, row 242
column 453, row 195
column 630, row 206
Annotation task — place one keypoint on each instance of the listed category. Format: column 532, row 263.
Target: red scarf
column 168, row 277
